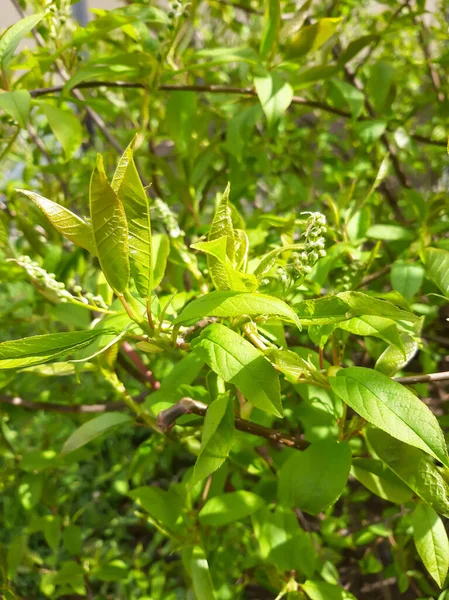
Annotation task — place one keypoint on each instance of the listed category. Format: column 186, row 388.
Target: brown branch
column 434, row 76
column 68, row 408
column 132, row 355
column 219, row 89
column 187, row 406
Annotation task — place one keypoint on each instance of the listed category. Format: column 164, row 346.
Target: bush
column 230, row 383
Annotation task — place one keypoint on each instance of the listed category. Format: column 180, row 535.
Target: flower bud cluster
column 350, row 275
column 301, row 263
column 177, row 11
column 58, row 15
column 47, row 282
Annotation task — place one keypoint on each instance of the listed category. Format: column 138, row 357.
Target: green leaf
column 346, row 305
column 320, row 590
column 313, row 74
column 63, row 220
column 370, row 131
column 311, row 37
column 17, row 105
column 393, row 359
column 227, row 508
column 39, row 349
column 201, row 579
column 94, row 428
column 370, row 325
column 66, row 127
column 406, row 278
column 110, row 229
column 390, row 233
column 357, row 46
column 431, row 542
column 353, row 97
column 275, row 96
column 391, row 407
column 412, row 466
column 283, row 542
column 271, row 24
column 315, row 478
column 127, row 185
column 163, row 506
column 160, row 249
column 234, row 304
column 218, row 435
column 237, row 361
column 14, row 35
column 15, row 554
column 379, row 84
column 380, row 480
column 437, row 268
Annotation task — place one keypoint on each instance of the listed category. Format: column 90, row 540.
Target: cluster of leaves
column 229, row 383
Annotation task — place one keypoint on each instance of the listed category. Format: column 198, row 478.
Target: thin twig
column 187, row 406
column 68, row 408
column 428, row 378
column 374, row 276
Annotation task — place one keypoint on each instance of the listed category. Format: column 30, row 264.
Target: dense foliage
column 224, row 281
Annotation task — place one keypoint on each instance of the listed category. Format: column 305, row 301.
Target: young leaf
column 269, row 259
column 63, row 220
column 201, row 579
column 216, row 442
column 14, row 35
column 314, row 479
column 431, row 542
column 288, row 362
column 227, row 508
column 237, row 361
column 93, row 429
column 437, row 267
column 127, row 185
column 160, row 249
column 413, row 467
column 393, row 359
column 380, row 480
column 311, row 37
column 110, row 229
column 234, row 304
column 39, row 349
column 391, row 407
column 321, row 590
column 223, row 274
column 222, row 227
column 66, row 127
column 17, row 105
column 283, row 542
column 275, row 96
column 271, row 23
